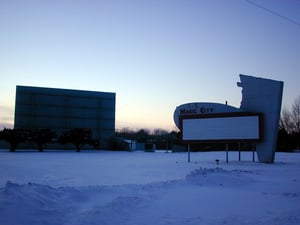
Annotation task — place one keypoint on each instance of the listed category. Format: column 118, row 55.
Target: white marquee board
column 226, row 127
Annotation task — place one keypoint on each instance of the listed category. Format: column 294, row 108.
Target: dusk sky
column 154, row 54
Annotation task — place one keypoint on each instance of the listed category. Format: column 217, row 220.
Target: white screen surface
column 221, row 128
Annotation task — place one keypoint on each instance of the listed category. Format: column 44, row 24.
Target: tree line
column 162, row 139
column 79, row 137
column 41, row 137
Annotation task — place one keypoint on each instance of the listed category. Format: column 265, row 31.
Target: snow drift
column 236, row 193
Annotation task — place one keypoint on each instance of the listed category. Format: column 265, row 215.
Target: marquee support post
column 189, row 153
column 226, row 153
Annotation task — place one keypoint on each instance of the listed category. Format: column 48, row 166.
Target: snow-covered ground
column 138, row 188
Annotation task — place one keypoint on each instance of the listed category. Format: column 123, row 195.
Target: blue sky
column 154, row 54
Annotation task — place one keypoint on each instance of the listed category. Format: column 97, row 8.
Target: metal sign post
column 253, row 152
column 189, row 153
column 226, row 153
column 239, row 151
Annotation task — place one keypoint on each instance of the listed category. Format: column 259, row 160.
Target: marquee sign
column 205, row 121
column 225, row 127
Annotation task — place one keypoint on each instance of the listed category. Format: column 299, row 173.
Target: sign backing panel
column 221, row 127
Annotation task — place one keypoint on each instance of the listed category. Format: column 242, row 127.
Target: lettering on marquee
column 202, row 110
column 206, row 110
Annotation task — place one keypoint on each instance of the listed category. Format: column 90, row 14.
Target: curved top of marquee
column 202, row 108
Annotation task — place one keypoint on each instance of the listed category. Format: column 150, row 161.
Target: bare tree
column 14, row 137
column 77, row 136
column 295, row 115
column 289, row 125
column 142, row 135
column 159, row 132
column 290, row 118
column 285, row 123
column 42, row 136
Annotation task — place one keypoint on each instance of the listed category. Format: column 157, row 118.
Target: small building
column 64, row 109
column 130, row 144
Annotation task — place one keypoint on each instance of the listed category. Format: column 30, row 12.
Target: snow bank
column 176, row 192
column 219, row 177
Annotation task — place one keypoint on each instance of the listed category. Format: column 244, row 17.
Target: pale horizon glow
column 155, row 55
